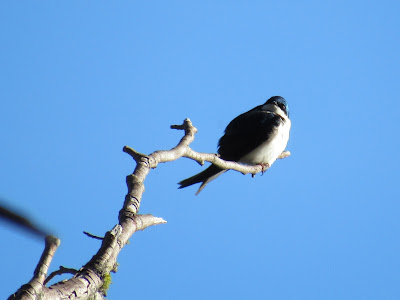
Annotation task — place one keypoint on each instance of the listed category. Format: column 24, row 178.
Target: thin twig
column 93, row 236
column 61, row 271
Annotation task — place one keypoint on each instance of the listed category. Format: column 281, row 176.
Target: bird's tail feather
column 205, row 177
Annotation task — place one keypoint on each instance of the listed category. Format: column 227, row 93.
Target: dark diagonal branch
column 17, row 219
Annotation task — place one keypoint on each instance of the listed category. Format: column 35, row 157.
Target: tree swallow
column 258, row 136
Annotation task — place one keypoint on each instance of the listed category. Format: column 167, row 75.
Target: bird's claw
column 264, row 167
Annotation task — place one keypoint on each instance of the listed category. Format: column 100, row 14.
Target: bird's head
column 279, row 102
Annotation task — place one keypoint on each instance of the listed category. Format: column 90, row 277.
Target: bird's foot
column 264, row 167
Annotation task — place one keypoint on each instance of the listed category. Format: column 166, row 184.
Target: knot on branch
column 131, row 205
column 132, row 180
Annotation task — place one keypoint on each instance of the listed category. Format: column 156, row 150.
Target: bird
column 256, row 137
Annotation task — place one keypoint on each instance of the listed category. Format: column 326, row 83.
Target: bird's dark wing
column 246, row 132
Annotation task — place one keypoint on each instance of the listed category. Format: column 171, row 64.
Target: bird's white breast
column 269, row 151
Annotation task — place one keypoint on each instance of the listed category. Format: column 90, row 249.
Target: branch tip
column 144, row 221
column 52, row 241
column 284, row 154
column 187, row 125
column 93, row 236
column 133, row 153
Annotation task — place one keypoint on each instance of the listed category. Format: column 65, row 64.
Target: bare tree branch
column 91, row 282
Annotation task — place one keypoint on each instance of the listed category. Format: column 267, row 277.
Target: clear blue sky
column 81, row 79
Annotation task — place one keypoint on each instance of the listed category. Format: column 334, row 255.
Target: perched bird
column 258, row 136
